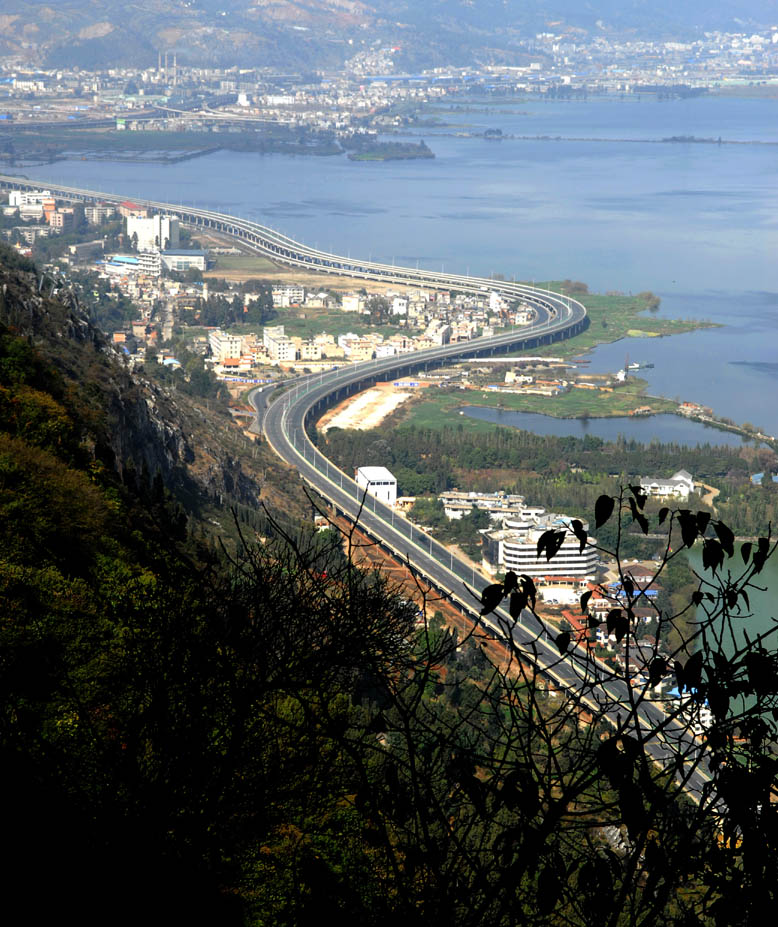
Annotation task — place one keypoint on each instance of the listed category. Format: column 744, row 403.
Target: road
column 283, row 421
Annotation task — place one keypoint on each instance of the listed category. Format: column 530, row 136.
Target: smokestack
column 159, row 61
column 165, row 65
column 175, row 70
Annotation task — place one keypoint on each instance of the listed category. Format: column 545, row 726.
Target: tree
column 635, row 762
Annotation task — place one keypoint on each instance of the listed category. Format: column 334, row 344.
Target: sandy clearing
column 364, row 411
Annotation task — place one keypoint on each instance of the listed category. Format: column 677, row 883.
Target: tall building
column 159, row 233
column 515, row 547
column 224, row 345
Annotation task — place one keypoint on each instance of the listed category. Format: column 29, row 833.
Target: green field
column 613, row 317
column 249, row 264
column 437, row 408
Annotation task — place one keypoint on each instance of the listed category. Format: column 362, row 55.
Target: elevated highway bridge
column 285, row 419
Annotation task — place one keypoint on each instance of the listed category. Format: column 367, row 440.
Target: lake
column 665, row 428
column 695, row 223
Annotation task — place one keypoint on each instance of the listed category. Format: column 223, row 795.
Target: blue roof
column 758, row 477
column 124, row 259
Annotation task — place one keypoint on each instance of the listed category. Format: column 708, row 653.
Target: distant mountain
column 309, row 34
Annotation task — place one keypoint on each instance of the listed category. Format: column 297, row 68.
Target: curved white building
column 515, row 547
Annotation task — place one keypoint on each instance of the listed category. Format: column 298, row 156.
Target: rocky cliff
column 126, row 421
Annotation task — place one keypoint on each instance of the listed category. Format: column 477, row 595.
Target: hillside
column 313, row 34
column 127, row 424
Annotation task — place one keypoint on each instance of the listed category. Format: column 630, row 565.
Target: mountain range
column 311, row 34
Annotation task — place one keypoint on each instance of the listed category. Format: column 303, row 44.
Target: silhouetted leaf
column 613, row 616
column 578, row 530
column 491, row 598
column 510, row 582
column 663, row 513
column 519, row 792
column 617, row 623
column 688, row 524
column 528, row 585
column 563, row 641
column 761, row 672
column 718, row 701
column 692, row 671
column 517, row 604
column 603, row 509
column 638, row 516
column 585, row 600
column 726, row 537
column 640, row 496
column 550, row 542
column 612, row 762
column 697, row 596
column 712, row 554
column 549, row 889
column 702, row 521
column 680, row 678
column 629, row 586
column 633, row 811
column 656, row 670
column 745, row 551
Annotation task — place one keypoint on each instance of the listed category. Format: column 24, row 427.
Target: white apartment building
column 439, row 332
column 288, row 295
column 352, row 302
column 97, row 214
column 182, row 261
column 224, row 346
column 150, row 263
column 310, row 351
column 28, row 197
column 498, row 504
column 280, row 348
column 154, row 232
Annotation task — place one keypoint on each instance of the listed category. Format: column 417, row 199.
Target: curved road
column 283, row 421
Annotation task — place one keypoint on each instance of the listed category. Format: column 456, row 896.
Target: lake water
column 665, row 428
column 695, row 223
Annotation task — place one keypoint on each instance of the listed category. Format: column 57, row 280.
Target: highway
column 283, row 422
column 279, row 247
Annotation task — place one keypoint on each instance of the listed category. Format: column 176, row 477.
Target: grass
column 254, row 265
column 435, row 410
column 439, row 410
column 623, row 316
column 239, row 267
